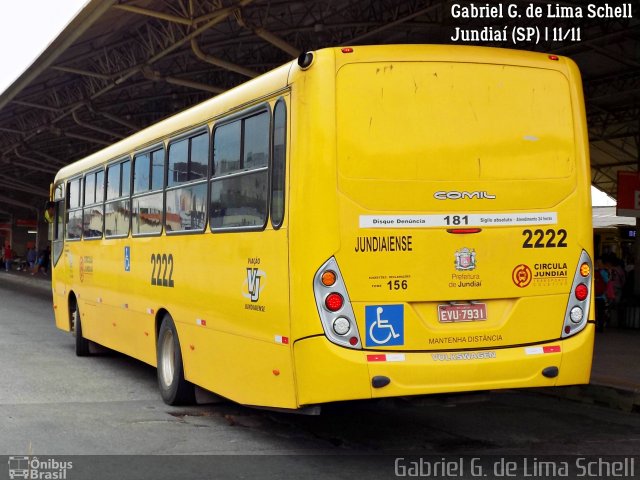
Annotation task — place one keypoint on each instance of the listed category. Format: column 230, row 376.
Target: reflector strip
column 533, row 350
column 201, row 322
column 389, row 357
column 541, row 350
column 376, row 358
column 395, row 357
column 282, row 340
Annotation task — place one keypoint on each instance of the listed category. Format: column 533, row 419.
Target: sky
column 27, row 27
column 601, row 199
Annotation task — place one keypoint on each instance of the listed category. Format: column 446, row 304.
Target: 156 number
column 397, row 284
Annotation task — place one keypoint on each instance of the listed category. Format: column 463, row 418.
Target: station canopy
column 120, row 66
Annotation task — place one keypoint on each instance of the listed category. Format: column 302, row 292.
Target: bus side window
column 74, row 210
column 239, row 186
column 58, row 226
column 93, row 204
column 148, row 180
column 57, row 221
column 279, row 143
column 117, row 205
column 186, row 197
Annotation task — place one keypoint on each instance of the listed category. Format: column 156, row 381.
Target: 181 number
column 456, row 220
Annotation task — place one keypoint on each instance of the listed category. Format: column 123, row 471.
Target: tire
column 175, row 390
column 82, row 344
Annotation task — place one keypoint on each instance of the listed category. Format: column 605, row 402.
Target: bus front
column 455, row 254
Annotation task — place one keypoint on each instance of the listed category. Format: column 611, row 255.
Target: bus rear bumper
column 327, row 373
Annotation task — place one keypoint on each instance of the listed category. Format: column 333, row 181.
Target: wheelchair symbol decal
column 385, row 325
column 127, row 259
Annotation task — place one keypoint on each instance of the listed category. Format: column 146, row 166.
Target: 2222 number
column 540, row 238
column 162, row 264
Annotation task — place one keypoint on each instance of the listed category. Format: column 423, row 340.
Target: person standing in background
column 42, row 264
column 31, row 258
column 601, row 281
column 8, row 256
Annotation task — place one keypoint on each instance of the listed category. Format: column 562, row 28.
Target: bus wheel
column 175, row 390
column 82, row 344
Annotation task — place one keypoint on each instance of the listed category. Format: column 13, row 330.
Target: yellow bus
column 364, row 222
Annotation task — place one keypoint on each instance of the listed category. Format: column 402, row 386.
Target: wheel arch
column 72, row 301
column 159, row 317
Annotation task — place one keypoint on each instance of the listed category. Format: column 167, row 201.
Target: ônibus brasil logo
column 33, row 468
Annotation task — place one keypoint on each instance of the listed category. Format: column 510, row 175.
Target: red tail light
column 463, row 231
column 334, row 302
column 581, row 292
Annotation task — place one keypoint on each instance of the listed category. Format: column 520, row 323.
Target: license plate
column 465, row 312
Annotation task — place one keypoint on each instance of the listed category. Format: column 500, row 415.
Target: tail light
column 328, row 278
column 581, row 292
column 577, row 312
column 334, row 306
column 334, row 302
